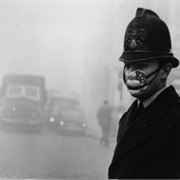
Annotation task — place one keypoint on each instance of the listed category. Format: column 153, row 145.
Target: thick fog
column 74, row 46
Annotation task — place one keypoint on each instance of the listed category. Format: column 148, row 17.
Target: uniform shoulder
column 176, row 106
column 178, row 100
column 175, row 114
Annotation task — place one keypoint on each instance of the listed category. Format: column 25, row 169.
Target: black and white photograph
column 89, row 90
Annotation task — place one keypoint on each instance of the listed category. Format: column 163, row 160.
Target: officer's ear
column 166, row 70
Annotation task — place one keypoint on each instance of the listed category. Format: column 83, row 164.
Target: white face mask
column 137, row 81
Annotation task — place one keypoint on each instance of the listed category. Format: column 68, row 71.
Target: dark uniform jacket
column 148, row 147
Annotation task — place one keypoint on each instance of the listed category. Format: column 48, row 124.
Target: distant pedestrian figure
column 104, row 119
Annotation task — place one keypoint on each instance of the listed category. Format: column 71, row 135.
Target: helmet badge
column 133, row 44
column 135, row 38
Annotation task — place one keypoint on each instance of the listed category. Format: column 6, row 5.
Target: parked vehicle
column 66, row 116
column 23, row 98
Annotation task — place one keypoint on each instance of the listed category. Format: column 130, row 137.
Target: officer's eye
column 127, row 66
column 136, row 66
column 142, row 66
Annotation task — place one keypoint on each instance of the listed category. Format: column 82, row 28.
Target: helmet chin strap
column 147, row 77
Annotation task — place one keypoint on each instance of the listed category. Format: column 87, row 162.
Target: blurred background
column 58, row 64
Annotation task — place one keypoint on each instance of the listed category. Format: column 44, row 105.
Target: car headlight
column 61, row 123
column 51, row 119
column 84, row 125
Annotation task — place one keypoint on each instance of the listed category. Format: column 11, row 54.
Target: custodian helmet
column 147, row 37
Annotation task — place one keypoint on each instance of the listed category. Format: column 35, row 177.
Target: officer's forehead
column 148, row 62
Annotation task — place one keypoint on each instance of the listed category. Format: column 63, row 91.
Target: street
column 49, row 155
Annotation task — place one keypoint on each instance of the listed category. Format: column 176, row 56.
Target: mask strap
column 154, row 72
column 152, row 75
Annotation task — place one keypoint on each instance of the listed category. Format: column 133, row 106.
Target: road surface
column 50, row 155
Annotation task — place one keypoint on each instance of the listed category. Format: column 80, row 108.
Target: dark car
column 69, row 121
column 65, row 115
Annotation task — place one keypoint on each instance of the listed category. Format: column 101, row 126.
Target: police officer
column 148, row 141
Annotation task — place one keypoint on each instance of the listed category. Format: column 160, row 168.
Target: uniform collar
column 148, row 101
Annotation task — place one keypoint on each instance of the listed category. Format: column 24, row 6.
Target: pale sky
column 49, row 37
